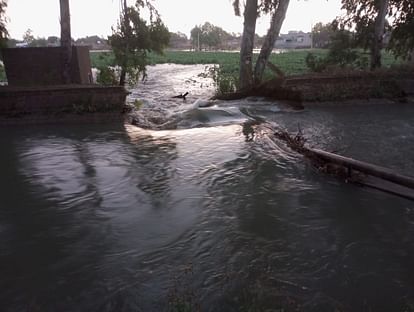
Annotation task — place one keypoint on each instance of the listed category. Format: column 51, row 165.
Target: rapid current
column 197, row 208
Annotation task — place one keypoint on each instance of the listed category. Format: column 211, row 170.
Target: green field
column 291, row 62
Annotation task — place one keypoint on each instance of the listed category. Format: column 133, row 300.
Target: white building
column 294, row 40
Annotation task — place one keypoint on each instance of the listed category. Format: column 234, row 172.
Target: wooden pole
column 65, row 39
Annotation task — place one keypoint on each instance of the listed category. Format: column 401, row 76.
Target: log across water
column 370, row 169
column 352, row 170
column 401, row 185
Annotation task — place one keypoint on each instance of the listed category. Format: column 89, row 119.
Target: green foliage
column 102, row 59
column 315, row 63
column 342, row 50
column 291, row 63
column 342, row 53
column 133, row 39
column 225, row 81
column 178, row 40
column 265, row 6
column 208, row 35
column 402, row 36
column 360, row 16
column 28, row 36
column 106, row 76
column 321, row 35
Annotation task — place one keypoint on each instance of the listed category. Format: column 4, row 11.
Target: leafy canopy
column 208, row 35
column 134, row 37
column 360, row 15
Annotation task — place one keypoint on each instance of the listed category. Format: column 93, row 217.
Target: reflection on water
column 221, row 218
column 127, row 219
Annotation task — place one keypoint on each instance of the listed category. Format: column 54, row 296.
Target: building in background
column 294, row 40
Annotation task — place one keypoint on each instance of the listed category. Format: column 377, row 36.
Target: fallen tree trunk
column 370, row 169
column 351, row 170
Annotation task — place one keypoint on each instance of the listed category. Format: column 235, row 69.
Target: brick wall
column 44, row 66
column 61, row 104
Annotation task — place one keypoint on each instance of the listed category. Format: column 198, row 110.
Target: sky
column 96, row 17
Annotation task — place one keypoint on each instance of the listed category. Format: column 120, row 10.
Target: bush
column 225, row 82
column 107, row 76
column 341, row 54
column 315, row 63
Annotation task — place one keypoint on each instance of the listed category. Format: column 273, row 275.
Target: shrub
column 107, row 76
column 341, row 54
column 225, row 82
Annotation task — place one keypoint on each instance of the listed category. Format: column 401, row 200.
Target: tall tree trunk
column 378, row 34
column 247, row 45
column 65, row 39
column 124, row 19
column 275, row 24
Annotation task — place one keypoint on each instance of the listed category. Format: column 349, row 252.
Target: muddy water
column 204, row 212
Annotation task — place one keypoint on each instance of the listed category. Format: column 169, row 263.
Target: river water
column 206, row 212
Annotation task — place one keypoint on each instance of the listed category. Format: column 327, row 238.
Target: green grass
column 291, row 62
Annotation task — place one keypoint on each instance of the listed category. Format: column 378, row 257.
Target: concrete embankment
column 61, row 104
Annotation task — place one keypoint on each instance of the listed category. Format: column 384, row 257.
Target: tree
column 247, row 43
column 369, row 18
column 65, row 39
column 28, row 36
column 379, row 29
column 3, row 30
column 321, row 35
column 277, row 9
column 178, row 40
column 132, row 39
column 402, row 36
column 208, row 35
column 196, row 36
column 278, row 16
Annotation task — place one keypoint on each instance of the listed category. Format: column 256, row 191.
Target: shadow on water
column 70, row 197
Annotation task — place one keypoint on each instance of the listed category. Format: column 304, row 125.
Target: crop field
column 291, row 62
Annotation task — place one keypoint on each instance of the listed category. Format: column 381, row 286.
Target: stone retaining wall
column 337, row 88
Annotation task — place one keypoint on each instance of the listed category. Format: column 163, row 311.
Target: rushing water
column 210, row 213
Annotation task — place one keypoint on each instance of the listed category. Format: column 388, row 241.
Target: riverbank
column 393, row 81
column 386, row 85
